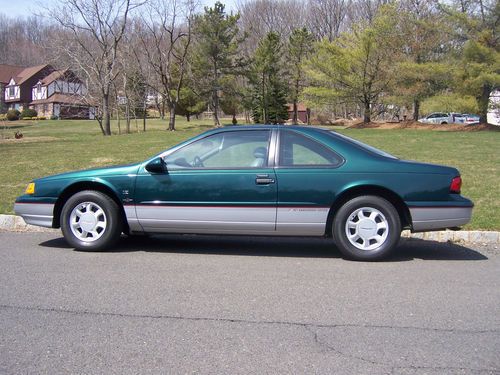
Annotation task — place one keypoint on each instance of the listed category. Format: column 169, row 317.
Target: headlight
column 31, row 188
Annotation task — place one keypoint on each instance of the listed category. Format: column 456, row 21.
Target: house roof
column 27, row 73
column 62, row 99
column 9, row 71
column 56, row 74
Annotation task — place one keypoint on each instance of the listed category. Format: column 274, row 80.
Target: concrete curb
column 460, row 236
column 13, row 223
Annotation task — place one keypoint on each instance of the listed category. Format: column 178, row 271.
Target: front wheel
column 90, row 220
column 366, row 228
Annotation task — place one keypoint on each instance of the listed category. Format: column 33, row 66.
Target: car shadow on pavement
column 408, row 249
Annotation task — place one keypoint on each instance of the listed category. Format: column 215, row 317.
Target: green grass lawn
column 50, row 147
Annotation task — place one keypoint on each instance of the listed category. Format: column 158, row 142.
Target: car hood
column 117, row 170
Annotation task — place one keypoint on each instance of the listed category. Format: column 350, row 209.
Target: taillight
column 456, row 184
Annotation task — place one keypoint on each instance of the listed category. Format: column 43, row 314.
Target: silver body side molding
column 282, row 221
column 434, row 218
column 40, row 214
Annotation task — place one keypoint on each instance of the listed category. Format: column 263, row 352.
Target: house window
column 39, row 88
column 12, row 91
column 45, row 108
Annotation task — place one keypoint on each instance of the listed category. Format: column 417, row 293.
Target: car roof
column 266, row 126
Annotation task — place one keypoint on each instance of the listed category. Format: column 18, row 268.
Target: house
column 6, row 73
column 51, row 92
column 17, row 92
column 61, row 94
column 302, row 113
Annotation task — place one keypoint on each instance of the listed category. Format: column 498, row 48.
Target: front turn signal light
column 31, row 188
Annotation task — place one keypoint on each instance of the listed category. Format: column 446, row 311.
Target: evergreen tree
column 422, row 66
column 269, row 82
column 190, row 103
column 217, row 52
column 357, row 66
column 479, row 66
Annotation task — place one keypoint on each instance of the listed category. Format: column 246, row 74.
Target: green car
column 254, row 180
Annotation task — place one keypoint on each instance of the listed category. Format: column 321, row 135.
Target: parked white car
column 443, row 118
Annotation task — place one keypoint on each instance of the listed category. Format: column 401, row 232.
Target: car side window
column 233, row 149
column 297, row 150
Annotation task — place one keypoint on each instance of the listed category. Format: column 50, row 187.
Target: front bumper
column 41, row 214
column 435, row 218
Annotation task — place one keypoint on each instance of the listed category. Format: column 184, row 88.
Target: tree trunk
column 171, row 121
column 118, row 118
column 416, row 109
column 144, row 116
column 216, row 108
column 106, row 116
column 295, row 112
column 127, row 117
column 162, row 111
column 367, row 112
column 483, row 102
column 188, row 116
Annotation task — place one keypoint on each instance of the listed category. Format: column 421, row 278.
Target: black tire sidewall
column 390, row 213
column 111, row 210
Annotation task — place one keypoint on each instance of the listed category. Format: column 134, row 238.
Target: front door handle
column 264, row 179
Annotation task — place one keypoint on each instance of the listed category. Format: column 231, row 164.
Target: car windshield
column 363, row 145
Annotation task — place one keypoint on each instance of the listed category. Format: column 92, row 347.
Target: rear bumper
column 41, row 214
column 435, row 218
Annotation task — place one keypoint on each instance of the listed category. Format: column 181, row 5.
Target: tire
column 91, row 221
column 379, row 234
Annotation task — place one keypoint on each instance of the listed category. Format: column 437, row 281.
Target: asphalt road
column 187, row 304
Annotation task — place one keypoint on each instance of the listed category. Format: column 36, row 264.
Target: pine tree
column 356, row 67
column 216, row 51
column 269, row 82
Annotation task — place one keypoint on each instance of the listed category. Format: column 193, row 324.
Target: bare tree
column 95, row 32
column 327, row 18
column 260, row 17
column 23, row 41
column 365, row 10
column 166, row 40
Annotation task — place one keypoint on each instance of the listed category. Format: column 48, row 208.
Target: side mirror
column 157, row 166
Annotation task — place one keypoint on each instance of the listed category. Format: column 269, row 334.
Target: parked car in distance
column 443, row 118
column 470, row 119
column 269, row 180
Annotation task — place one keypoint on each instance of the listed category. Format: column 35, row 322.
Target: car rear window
column 363, row 145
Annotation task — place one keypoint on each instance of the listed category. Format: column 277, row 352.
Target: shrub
column 27, row 118
column 54, row 117
column 3, row 117
column 13, row 115
column 41, row 118
column 28, row 112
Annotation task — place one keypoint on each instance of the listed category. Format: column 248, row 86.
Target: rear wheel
column 366, row 228
column 90, row 220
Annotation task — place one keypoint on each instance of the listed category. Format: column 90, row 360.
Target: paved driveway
column 187, row 304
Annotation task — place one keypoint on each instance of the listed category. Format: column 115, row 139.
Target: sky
column 19, row 8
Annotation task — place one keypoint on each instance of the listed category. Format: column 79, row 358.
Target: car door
column 222, row 183
column 304, row 172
